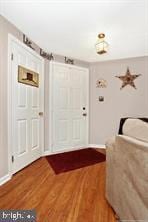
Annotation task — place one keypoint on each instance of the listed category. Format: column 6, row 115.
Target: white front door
column 69, row 107
column 27, row 102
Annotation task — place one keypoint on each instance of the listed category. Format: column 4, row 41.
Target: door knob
column 84, row 114
column 40, row 113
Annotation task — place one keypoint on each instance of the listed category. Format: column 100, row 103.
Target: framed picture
column 101, row 83
column 28, row 77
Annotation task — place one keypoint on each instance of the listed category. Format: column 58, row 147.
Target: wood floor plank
column 74, row 196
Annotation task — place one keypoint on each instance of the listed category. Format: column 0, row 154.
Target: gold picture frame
column 28, row 77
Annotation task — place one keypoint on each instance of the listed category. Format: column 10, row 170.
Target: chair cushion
column 136, row 128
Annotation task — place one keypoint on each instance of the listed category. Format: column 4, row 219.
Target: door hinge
column 12, row 159
column 11, row 56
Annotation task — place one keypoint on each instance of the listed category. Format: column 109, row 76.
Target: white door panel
column 27, row 102
column 22, row 137
column 69, row 98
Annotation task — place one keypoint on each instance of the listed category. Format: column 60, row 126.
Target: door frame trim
column 11, row 39
column 50, row 148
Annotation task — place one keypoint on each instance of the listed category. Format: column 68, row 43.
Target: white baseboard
column 4, row 179
column 98, row 146
column 46, row 153
column 101, row 146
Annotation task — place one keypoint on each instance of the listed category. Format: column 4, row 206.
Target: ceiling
column 70, row 27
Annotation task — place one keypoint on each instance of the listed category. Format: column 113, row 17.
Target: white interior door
column 69, row 107
column 27, row 102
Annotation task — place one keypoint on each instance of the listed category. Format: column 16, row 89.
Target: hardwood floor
column 75, row 196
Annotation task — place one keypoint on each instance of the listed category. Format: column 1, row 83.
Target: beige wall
column 5, row 28
column 105, row 116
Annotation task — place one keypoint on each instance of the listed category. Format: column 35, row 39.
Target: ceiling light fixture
column 101, row 45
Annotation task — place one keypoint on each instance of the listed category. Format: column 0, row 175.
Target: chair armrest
column 110, row 142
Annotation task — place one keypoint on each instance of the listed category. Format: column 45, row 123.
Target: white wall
column 105, row 116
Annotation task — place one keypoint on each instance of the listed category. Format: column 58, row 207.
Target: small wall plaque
column 27, row 76
column 101, row 83
column 101, row 98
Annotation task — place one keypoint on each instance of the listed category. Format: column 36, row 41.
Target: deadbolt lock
column 40, row 113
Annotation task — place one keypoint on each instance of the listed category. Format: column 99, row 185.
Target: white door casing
column 68, row 102
column 27, row 127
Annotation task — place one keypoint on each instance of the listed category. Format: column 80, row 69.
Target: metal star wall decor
column 128, row 79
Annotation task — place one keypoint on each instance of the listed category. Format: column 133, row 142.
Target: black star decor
column 128, row 79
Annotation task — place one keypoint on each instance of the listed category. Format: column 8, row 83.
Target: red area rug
column 64, row 162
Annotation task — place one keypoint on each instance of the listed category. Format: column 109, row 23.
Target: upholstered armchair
column 127, row 171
